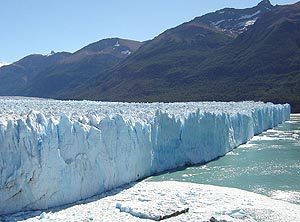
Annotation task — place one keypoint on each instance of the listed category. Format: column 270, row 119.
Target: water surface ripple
column 269, row 164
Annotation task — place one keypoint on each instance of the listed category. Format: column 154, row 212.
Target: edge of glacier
column 56, row 157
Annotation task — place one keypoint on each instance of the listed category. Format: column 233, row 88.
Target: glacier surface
column 57, row 152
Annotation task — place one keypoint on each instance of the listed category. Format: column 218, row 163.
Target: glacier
column 58, row 152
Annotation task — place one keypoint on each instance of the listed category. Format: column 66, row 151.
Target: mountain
column 230, row 54
column 64, row 79
column 262, row 63
column 59, row 73
column 158, row 64
column 15, row 77
column 236, row 21
column 200, row 61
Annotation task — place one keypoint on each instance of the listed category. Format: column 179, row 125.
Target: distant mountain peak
column 236, row 21
column 265, row 2
column 112, row 47
column 51, row 53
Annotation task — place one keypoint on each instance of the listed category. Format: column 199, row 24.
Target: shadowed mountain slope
column 196, row 61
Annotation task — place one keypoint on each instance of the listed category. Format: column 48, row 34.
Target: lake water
column 269, row 164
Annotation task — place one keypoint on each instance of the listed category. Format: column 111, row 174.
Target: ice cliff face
column 68, row 150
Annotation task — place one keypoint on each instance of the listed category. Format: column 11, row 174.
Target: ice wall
column 71, row 150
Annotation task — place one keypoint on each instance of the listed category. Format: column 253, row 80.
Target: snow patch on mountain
column 49, row 54
column 249, row 16
column 126, row 52
column 218, row 22
column 250, row 22
column 4, row 64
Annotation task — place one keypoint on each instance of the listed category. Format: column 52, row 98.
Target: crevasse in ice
column 70, row 150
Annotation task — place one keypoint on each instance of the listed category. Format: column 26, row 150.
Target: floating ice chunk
column 44, row 216
column 136, row 212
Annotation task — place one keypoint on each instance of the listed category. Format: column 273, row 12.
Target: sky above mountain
column 40, row 26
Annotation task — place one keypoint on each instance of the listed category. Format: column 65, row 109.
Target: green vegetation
column 195, row 62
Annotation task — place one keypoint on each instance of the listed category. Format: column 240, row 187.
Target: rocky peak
column 265, row 4
column 236, row 21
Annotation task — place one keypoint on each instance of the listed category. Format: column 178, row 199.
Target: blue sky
column 39, row 26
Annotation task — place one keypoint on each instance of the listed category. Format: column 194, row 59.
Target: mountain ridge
column 31, row 75
column 230, row 54
column 258, row 64
column 236, row 21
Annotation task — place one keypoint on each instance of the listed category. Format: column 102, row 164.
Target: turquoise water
column 269, row 164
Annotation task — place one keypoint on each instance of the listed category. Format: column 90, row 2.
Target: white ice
column 218, row 22
column 249, row 16
column 250, row 22
column 58, row 152
column 147, row 201
column 126, row 52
